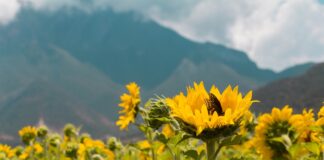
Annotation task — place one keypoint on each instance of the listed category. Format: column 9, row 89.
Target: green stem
column 171, row 152
column 212, row 149
column 151, row 140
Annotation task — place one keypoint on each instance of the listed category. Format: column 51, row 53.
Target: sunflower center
column 273, row 134
column 213, row 105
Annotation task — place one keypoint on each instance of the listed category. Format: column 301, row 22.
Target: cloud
column 8, row 10
column 276, row 34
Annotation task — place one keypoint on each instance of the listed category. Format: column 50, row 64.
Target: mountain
column 295, row 70
column 42, row 102
column 306, row 90
column 121, row 45
column 73, row 65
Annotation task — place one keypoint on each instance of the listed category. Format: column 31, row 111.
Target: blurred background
column 67, row 61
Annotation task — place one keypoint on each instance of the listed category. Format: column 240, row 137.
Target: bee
column 213, row 105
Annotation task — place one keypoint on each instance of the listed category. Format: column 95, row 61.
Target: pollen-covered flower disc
column 129, row 103
column 210, row 114
column 280, row 124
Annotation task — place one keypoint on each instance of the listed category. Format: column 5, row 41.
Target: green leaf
column 233, row 140
column 294, row 149
column 202, row 155
column 184, row 137
column 162, row 138
column 142, row 128
column 313, row 147
column 191, row 153
column 278, row 139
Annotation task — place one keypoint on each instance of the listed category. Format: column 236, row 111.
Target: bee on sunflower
column 210, row 116
column 278, row 131
column 129, row 103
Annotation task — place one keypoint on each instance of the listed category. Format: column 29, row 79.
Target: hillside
column 306, row 90
column 42, row 102
column 70, row 62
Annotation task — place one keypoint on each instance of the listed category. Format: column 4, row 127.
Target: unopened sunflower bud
column 55, row 141
column 114, row 144
column 70, row 131
column 158, row 113
column 42, row 132
column 72, row 150
column 84, row 136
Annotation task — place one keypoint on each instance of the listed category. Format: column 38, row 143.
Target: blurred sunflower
column 28, row 134
column 318, row 136
column 277, row 131
column 320, row 115
column 305, row 125
column 94, row 148
column 209, row 115
column 6, row 151
column 129, row 103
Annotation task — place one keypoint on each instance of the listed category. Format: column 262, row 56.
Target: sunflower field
column 196, row 125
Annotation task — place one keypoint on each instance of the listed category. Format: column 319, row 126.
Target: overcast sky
column 274, row 33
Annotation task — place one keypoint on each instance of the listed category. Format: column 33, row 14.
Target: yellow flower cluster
column 52, row 146
column 279, row 131
column 197, row 125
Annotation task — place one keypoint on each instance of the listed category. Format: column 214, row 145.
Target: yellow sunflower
column 209, row 114
column 305, row 125
column 28, row 134
column 276, row 130
column 318, row 136
column 94, row 148
column 6, row 150
column 129, row 103
column 320, row 115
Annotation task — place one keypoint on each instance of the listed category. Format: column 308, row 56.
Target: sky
column 276, row 34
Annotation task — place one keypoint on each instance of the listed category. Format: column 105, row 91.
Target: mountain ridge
column 89, row 57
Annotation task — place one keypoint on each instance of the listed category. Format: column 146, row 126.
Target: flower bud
column 54, row 141
column 70, row 131
column 72, row 150
column 114, row 144
column 158, row 113
column 42, row 132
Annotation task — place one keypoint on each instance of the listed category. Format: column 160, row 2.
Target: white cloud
column 8, row 10
column 276, row 34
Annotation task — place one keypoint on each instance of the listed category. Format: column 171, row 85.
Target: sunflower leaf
column 233, row 140
column 313, row 147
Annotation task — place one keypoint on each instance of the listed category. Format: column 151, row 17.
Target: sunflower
column 129, row 103
column 320, row 115
column 276, row 130
column 318, row 135
column 28, row 134
column 94, row 148
column 6, row 150
column 209, row 115
column 306, row 124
